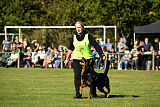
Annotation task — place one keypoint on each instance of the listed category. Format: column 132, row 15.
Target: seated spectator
column 14, row 48
column 8, row 44
column 101, row 63
column 108, row 45
column 27, row 58
column 48, row 58
column 142, row 58
column 57, row 58
column 70, row 62
column 97, row 59
column 40, row 56
column 124, row 60
column 12, row 61
column 36, row 45
column 4, row 57
column 112, row 58
column 93, row 53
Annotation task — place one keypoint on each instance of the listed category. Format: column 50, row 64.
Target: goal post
column 56, row 27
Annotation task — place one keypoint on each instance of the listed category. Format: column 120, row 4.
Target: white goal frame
column 55, row 27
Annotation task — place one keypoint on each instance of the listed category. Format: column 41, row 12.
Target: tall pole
column 115, row 32
column 104, row 34
column 5, row 33
column 19, row 33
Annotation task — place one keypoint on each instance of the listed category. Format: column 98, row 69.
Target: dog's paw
column 107, row 95
column 89, row 97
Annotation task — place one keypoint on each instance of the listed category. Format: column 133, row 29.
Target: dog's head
column 88, row 65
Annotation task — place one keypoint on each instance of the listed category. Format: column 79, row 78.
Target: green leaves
column 123, row 13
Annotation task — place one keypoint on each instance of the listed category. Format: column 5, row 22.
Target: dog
column 93, row 79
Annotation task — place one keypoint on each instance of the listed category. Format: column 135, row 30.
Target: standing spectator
column 18, row 43
column 149, row 58
column 3, row 44
column 8, row 44
column 156, row 47
column 135, row 59
column 124, row 40
column 97, row 40
column 27, row 59
column 108, row 45
column 12, row 61
column 101, row 42
column 121, row 48
column 36, row 45
column 124, row 60
column 25, row 44
column 140, row 46
column 46, row 44
column 147, row 45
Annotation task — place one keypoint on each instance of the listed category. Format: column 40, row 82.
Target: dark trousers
column 77, row 67
column 40, row 61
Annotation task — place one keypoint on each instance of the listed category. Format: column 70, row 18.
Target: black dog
column 92, row 79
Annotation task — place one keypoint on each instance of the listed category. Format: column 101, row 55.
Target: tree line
column 125, row 14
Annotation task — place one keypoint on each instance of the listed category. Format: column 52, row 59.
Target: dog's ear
column 83, row 59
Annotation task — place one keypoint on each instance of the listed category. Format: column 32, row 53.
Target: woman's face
column 79, row 28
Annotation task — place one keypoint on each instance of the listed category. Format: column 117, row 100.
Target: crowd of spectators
column 137, row 58
column 32, row 53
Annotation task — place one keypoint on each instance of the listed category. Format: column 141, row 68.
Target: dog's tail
column 107, row 67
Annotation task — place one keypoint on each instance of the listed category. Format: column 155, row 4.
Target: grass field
column 55, row 88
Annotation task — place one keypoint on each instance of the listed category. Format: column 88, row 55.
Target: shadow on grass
column 114, row 96
column 122, row 96
column 119, row 96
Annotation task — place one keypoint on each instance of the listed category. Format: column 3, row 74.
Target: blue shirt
column 147, row 46
column 100, row 45
column 108, row 45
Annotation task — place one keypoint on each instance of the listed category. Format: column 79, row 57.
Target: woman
column 81, row 43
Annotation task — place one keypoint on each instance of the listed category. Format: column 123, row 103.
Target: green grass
column 55, row 88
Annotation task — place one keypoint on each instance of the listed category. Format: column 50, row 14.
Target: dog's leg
column 108, row 88
column 90, row 93
column 108, row 93
column 102, row 90
column 82, row 86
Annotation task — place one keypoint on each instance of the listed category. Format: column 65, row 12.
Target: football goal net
column 57, row 33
